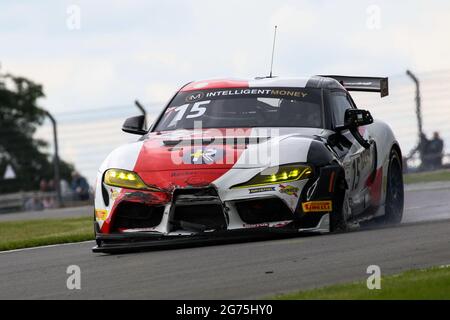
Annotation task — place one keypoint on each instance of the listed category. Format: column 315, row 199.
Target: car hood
column 197, row 158
column 224, row 148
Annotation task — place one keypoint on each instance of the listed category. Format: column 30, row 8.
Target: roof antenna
column 273, row 51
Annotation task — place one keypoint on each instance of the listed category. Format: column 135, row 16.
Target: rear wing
column 366, row 84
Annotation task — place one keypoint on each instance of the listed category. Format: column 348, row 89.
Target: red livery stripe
column 215, row 84
column 375, row 187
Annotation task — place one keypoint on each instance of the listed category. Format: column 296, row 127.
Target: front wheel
column 338, row 218
column 394, row 191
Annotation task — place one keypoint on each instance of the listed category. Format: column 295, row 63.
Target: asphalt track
column 237, row 271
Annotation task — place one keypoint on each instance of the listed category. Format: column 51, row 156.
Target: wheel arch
column 396, row 147
column 387, row 216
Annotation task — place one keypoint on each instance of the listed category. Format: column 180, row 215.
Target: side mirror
column 135, row 125
column 355, row 118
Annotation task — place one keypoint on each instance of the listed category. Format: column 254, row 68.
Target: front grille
column 131, row 215
column 197, row 209
column 263, row 210
column 200, row 217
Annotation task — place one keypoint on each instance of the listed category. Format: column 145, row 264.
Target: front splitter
column 123, row 243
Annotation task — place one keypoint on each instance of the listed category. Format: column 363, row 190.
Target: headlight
column 275, row 175
column 125, row 179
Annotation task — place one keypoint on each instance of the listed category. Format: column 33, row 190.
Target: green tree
column 19, row 118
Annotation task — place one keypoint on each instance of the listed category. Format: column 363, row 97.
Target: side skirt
column 322, row 227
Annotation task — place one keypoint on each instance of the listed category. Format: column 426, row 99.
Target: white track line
column 47, row 246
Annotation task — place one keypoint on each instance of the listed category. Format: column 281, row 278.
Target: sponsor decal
column 267, row 92
column 262, row 189
column 257, row 225
column 203, row 156
column 182, row 173
column 114, row 194
column 197, row 181
column 289, row 190
column 101, row 214
column 317, row 206
column 289, row 93
column 195, row 96
column 268, row 224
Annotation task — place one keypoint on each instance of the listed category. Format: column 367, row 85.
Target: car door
column 357, row 160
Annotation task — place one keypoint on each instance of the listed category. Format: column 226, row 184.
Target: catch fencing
column 86, row 136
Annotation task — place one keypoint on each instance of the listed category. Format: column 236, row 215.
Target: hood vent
column 216, row 141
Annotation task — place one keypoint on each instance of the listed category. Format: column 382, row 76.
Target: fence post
column 59, row 201
column 418, row 102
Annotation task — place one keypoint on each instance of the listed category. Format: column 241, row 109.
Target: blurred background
column 83, row 63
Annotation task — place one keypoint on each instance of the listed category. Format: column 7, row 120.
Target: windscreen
column 244, row 108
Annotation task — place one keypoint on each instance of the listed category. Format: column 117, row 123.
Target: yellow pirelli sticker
column 101, row 214
column 317, row 206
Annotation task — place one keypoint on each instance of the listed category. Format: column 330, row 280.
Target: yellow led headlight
column 125, row 179
column 275, row 175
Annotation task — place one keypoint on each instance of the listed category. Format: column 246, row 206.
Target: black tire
column 394, row 191
column 338, row 221
column 96, row 230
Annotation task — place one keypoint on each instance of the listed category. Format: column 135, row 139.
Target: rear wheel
column 394, row 191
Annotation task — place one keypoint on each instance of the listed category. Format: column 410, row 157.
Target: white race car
column 233, row 157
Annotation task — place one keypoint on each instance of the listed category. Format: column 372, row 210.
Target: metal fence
column 38, row 200
column 86, row 136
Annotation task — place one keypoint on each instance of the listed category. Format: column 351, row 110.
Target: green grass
column 433, row 283
column 438, row 175
column 33, row 233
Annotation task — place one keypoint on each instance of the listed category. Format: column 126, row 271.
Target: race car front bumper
column 208, row 214
column 138, row 241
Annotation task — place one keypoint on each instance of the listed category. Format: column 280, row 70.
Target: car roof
column 274, row 82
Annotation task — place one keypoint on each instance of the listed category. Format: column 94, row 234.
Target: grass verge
column 438, row 175
column 33, row 233
column 433, row 283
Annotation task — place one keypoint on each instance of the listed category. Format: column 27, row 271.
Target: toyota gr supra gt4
column 240, row 157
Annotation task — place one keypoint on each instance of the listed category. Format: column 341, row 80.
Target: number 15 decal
column 197, row 109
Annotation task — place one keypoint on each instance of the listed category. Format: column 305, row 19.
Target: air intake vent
column 131, row 215
column 263, row 210
column 200, row 217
